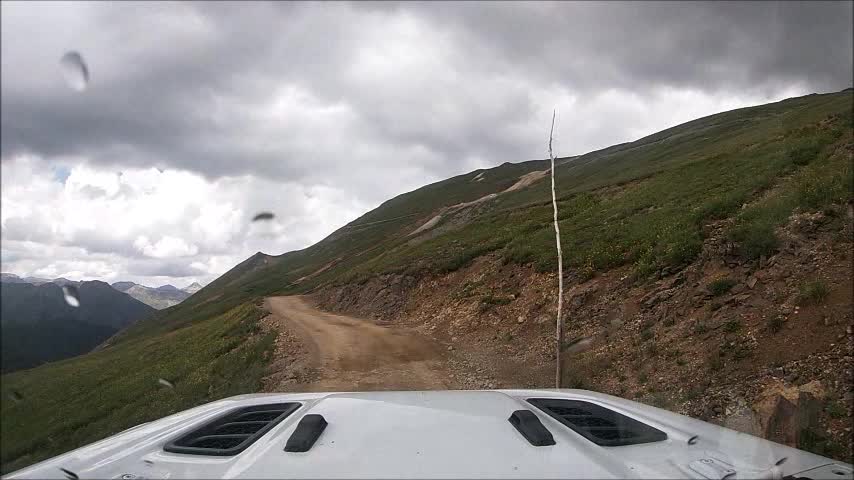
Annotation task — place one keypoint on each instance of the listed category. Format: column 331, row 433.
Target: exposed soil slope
column 741, row 343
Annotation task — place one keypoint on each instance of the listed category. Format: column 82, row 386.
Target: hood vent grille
column 233, row 432
column 598, row 424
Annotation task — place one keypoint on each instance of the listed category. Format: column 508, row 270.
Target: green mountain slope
column 643, row 204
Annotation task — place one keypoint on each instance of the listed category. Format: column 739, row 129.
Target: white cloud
column 199, row 115
column 103, row 224
column 166, row 247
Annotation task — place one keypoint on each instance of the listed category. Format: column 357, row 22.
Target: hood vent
column 598, row 424
column 233, row 432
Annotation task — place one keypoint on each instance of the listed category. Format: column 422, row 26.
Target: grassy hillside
column 642, row 204
column 65, row 404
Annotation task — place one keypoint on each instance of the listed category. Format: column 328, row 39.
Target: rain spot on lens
column 165, row 383
column 16, row 396
column 265, row 216
column 74, row 71
column 72, row 295
column 69, row 474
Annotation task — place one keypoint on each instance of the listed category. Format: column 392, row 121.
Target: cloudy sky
column 198, row 116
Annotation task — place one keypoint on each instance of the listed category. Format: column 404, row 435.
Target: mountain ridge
column 38, row 325
column 161, row 297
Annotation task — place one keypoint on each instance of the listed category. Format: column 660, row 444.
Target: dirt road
column 346, row 354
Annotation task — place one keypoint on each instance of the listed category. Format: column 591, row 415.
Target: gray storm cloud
column 342, row 97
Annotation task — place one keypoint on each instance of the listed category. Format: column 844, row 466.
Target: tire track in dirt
column 349, row 354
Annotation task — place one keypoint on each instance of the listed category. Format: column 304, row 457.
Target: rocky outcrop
column 380, row 298
column 781, row 413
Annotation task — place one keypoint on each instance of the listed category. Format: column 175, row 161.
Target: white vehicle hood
column 438, row 434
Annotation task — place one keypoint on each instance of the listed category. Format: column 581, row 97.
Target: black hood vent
column 233, row 432
column 598, row 424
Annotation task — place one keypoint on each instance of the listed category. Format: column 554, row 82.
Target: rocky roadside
column 763, row 346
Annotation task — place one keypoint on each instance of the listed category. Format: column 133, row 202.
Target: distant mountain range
column 12, row 278
column 38, row 325
column 157, row 297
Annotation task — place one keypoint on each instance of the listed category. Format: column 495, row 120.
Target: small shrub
column 733, row 325
column 700, row 328
column 836, row 410
column 775, row 324
column 718, row 208
column 643, row 377
column 804, row 153
column 721, row 286
column 460, row 259
column 817, row 189
column 813, row 293
column 519, row 254
column 680, row 361
column 487, row 302
column 756, row 239
column 469, row 289
column 587, row 272
column 819, row 443
column 645, row 266
column 669, row 321
column 646, row 334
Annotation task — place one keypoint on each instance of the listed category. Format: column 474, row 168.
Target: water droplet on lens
column 16, row 396
column 72, row 295
column 263, row 216
column 165, row 383
column 74, row 70
column 69, row 474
